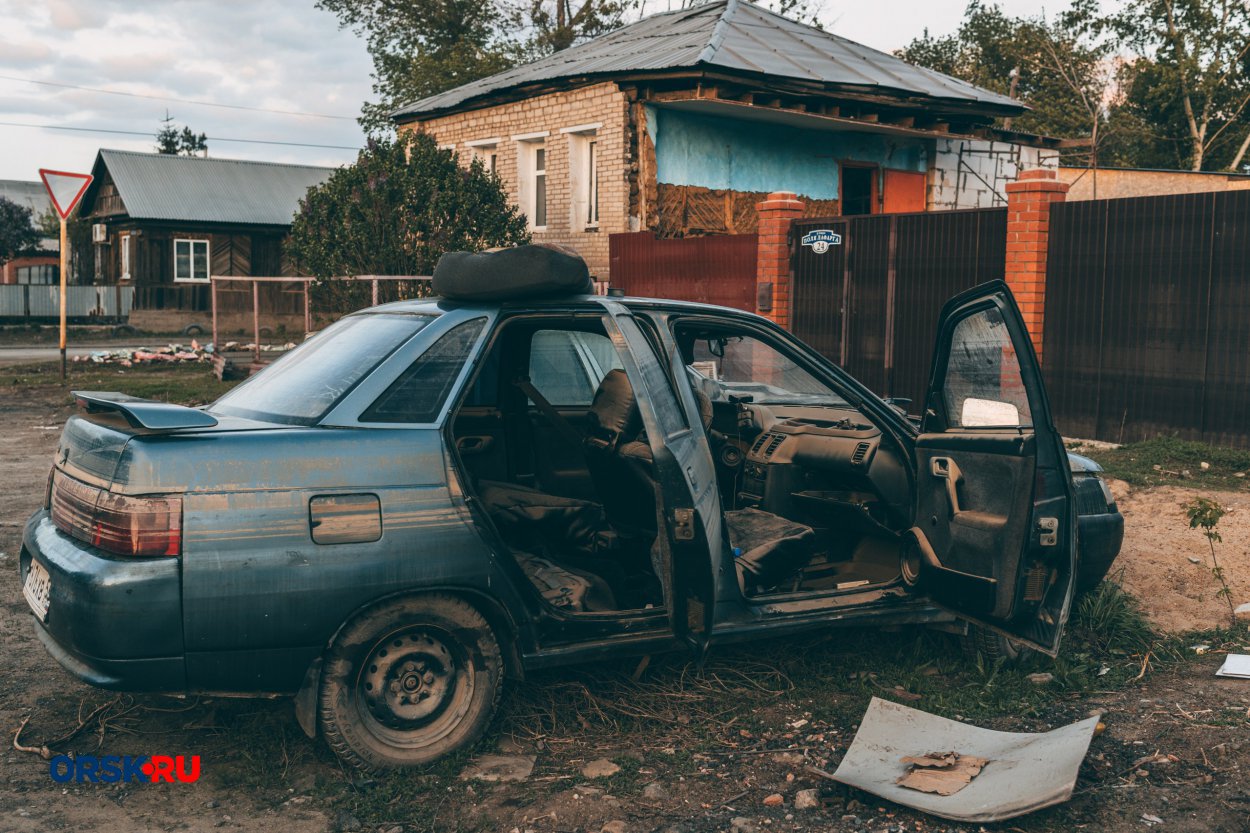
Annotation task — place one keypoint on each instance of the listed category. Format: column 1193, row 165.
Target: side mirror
column 899, row 403
column 988, row 413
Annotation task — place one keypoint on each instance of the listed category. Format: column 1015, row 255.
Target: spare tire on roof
column 532, row 271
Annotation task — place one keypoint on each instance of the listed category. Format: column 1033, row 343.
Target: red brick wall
column 773, row 259
column 1028, row 235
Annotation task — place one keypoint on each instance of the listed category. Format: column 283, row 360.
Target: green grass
column 183, row 384
column 1163, row 461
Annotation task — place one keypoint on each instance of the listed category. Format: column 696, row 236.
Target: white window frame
column 124, row 245
column 195, row 243
column 528, row 172
column 583, row 176
column 487, row 150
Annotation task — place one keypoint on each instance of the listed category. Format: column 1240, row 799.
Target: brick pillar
column 1028, row 235
column 772, row 262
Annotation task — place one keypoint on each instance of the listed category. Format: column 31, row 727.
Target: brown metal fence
column 871, row 303
column 710, row 270
column 1147, row 327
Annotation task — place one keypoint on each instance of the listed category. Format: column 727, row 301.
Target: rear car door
column 685, row 470
column 995, row 531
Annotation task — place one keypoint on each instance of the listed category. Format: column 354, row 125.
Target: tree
column 1058, row 67
column 174, row 142
column 1191, row 79
column 17, row 232
column 397, row 209
column 423, row 47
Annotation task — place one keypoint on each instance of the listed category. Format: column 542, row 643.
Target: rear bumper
column 1101, row 536
column 112, row 622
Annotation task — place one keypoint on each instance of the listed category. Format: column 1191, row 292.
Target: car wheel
column 993, row 646
column 410, row 681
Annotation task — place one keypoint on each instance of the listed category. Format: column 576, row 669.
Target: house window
column 584, row 175
column 124, row 244
column 487, row 152
column 532, row 178
column 42, row 274
column 190, row 260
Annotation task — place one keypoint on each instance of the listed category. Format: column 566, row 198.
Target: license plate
column 38, row 590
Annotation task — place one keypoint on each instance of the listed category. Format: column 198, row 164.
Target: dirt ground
column 697, row 750
column 1169, row 565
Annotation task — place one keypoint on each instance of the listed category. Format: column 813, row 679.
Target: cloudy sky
column 274, row 55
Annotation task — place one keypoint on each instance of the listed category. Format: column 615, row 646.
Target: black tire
column 193, row 330
column 993, row 646
column 410, row 681
column 124, row 330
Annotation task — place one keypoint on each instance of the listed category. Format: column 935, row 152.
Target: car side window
column 417, row 396
column 983, row 386
column 566, row 366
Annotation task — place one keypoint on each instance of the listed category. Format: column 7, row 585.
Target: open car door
column 995, row 530
column 683, row 466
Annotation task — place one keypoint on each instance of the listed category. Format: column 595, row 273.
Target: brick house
column 684, row 121
column 41, row 264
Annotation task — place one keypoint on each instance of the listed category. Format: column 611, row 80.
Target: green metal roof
column 193, row 189
column 738, row 37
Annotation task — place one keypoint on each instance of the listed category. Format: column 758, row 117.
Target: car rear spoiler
column 147, row 414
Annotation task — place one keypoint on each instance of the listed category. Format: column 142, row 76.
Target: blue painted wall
column 722, row 153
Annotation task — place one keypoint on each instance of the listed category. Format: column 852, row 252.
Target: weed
column 1205, row 514
column 1165, row 460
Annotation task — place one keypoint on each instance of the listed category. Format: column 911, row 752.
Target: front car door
column 995, row 531
column 687, row 475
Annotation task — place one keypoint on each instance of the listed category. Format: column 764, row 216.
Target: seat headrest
column 615, row 409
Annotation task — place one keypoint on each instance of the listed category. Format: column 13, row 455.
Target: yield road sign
column 65, row 189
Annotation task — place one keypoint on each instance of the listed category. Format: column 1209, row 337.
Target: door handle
column 947, row 469
column 473, row 444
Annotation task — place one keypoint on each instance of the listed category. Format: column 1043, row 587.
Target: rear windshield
column 303, row 385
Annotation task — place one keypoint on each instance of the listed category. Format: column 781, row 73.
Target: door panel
column 904, row 191
column 687, row 474
column 995, row 538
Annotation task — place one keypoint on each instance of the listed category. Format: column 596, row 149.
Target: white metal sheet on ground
column 1235, row 665
column 1026, row 772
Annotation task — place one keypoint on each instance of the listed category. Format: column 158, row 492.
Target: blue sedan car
column 431, row 496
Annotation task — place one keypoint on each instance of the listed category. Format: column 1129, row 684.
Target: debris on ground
column 1026, row 771
column 175, row 353
column 944, row 773
column 807, row 799
column 600, row 768
column 499, row 768
column 1235, row 665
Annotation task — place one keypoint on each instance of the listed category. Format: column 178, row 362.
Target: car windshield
column 301, row 386
column 741, row 366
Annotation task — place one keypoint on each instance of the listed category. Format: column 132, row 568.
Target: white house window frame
column 532, row 172
column 487, row 150
column 124, row 245
column 584, row 175
column 193, row 245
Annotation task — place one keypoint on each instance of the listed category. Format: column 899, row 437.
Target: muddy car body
column 431, row 495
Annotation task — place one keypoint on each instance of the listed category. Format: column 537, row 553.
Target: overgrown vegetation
column 1169, row 461
column 182, row 384
column 395, row 211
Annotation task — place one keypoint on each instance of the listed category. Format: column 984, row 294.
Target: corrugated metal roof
column 731, row 35
column 27, row 193
column 156, row 186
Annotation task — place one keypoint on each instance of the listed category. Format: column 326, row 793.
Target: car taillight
column 117, row 523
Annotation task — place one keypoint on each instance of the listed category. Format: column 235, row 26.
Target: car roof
column 437, row 306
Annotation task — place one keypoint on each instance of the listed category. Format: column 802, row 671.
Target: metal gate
column 1147, row 304
column 711, row 270
column 870, row 301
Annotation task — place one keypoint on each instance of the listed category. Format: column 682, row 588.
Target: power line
column 179, row 100
column 151, row 135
